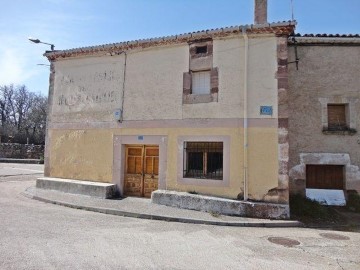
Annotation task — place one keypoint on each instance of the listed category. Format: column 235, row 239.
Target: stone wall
column 327, row 74
column 23, row 151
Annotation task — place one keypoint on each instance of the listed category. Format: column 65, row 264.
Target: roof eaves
column 254, row 28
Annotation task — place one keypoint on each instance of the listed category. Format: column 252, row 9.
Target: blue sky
column 76, row 23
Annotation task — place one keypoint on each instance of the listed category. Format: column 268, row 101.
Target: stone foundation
column 93, row 189
column 220, row 206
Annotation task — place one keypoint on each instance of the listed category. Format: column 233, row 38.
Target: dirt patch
column 334, row 236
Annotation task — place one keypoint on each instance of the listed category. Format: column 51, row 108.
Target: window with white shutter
column 201, row 82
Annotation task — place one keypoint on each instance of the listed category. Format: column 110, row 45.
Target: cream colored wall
column 154, row 79
column 262, row 84
column 88, row 155
column 87, row 89
column 154, row 83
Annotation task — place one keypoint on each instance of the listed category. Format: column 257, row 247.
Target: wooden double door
column 141, row 170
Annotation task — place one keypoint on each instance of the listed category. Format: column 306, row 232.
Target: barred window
column 203, row 160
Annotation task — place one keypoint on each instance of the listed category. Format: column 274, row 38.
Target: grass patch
column 309, row 211
column 215, row 214
column 353, row 202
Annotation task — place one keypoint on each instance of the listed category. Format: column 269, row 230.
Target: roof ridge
column 328, row 35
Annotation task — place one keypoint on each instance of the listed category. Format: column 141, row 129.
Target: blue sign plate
column 266, row 110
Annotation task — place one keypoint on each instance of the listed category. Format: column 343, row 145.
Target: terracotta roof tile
column 281, row 28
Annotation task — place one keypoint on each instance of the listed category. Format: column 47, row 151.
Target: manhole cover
column 334, row 236
column 286, row 242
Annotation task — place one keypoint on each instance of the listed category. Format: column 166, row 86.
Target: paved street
column 36, row 235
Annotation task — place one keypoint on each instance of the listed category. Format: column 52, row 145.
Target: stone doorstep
column 220, row 205
column 94, row 189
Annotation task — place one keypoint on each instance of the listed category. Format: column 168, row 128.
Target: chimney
column 260, row 12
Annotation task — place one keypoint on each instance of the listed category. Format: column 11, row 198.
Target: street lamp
column 35, row 40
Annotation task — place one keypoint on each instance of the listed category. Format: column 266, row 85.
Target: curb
column 116, row 212
column 20, row 160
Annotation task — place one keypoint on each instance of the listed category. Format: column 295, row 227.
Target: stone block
column 220, row 205
column 93, row 189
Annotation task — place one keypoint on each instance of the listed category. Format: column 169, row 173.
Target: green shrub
column 353, row 202
column 41, row 161
column 305, row 210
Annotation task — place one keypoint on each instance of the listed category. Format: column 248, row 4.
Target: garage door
column 325, row 176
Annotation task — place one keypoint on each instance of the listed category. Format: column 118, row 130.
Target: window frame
column 338, row 126
column 208, row 89
column 204, row 181
column 350, row 112
column 204, row 148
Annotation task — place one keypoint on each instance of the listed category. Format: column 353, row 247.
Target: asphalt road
column 36, row 235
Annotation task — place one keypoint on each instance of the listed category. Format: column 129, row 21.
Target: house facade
column 202, row 112
column 324, row 113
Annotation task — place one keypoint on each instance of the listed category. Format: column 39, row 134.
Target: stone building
column 324, row 113
column 201, row 112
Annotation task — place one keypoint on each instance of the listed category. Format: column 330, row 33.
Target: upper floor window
column 201, row 49
column 201, row 83
column 337, row 117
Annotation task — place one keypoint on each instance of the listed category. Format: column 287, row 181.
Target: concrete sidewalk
column 143, row 208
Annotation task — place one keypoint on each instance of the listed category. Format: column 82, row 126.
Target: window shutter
column 187, row 83
column 336, row 116
column 214, row 80
column 200, row 83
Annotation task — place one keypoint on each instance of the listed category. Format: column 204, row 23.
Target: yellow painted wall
column 88, row 155
column 81, row 154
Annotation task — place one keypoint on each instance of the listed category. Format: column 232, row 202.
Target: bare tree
column 23, row 115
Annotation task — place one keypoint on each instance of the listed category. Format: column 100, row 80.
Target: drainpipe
column 123, row 88
column 246, row 40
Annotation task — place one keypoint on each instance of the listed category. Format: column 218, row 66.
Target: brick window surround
column 190, row 98
column 200, row 60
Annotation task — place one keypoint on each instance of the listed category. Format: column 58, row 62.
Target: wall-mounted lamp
column 35, row 40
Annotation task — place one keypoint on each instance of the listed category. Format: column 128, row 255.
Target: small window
column 337, row 117
column 203, row 160
column 200, row 83
column 201, row 49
